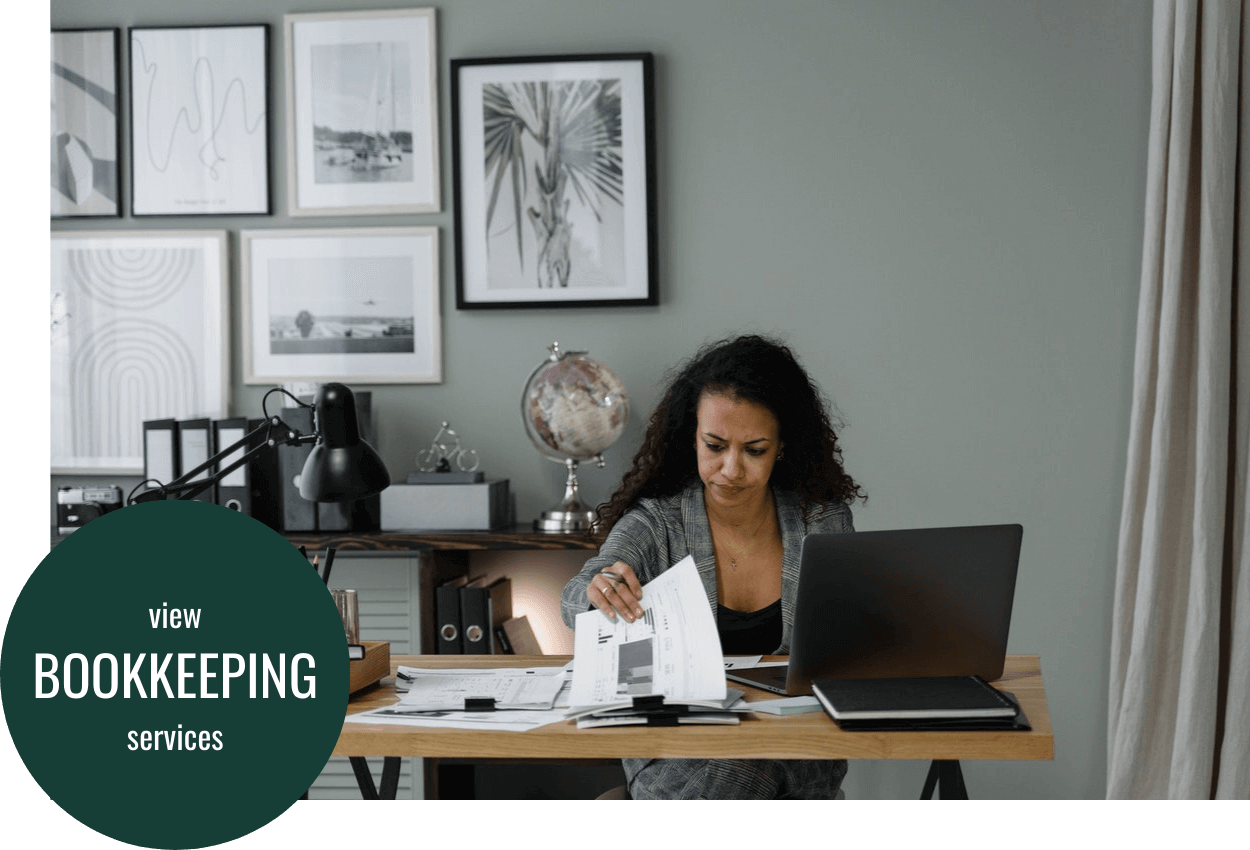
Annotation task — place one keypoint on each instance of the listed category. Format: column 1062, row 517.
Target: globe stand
column 571, row 514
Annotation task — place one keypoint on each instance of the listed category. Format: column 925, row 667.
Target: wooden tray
column 375, row 666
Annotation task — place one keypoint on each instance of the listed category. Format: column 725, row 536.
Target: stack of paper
column 665, row 668
column 503, row 699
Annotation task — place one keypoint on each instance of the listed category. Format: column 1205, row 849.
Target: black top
column 756, row 633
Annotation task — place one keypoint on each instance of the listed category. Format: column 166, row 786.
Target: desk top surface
column 799, row 736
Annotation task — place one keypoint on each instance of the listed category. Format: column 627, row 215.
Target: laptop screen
column 913, row 602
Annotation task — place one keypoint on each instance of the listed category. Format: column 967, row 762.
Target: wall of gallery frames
column 319, row 118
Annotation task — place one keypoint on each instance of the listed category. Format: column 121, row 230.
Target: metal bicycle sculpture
column 444, row 450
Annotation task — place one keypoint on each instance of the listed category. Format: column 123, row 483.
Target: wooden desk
column 802, row 736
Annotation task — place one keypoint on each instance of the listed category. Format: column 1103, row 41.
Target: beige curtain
column 1179, row 718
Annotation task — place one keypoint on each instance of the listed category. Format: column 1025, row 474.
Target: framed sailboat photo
column 362, row 112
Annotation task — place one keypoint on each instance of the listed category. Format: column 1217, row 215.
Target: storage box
column 375, row 666
column 445, row 507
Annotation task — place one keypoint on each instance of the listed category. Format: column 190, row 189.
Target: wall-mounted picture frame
column 356, row 305
column 362, row 113
column 199, row 119
column 86, row 129
column 554, row 177
column 139, row 332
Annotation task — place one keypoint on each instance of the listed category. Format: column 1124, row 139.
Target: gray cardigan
column 657, row 533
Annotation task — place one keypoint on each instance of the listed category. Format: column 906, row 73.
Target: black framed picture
column 554, row 179
column 199, row 110
column 86, row 130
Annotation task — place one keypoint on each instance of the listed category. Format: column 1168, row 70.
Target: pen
column 329, row 561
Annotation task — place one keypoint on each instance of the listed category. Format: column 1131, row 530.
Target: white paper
column 741, row 662
column 495, row 721
column 532, row 688
column 673, row 650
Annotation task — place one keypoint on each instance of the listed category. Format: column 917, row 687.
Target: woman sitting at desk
column 739, row 462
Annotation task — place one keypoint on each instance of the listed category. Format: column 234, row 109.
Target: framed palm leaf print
column 554, row 174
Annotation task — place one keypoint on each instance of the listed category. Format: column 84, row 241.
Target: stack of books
column 933, row 703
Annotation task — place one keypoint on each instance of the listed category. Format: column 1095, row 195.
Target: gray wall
column 939, row 204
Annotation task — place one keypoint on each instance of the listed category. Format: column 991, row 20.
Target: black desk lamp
column 341, row 468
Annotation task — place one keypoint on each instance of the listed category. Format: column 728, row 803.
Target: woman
column 739, row 462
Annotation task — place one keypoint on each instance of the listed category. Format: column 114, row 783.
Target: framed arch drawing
column 138, row 332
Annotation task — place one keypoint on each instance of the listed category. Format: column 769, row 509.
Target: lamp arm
column 187, row 486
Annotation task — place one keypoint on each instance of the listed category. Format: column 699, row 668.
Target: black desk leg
column 949, row 779
column 390, row 778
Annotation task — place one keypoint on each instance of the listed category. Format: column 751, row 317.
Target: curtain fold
column 1177, row 722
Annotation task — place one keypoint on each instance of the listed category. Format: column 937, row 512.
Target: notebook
column 904, row 699
column 904, row 603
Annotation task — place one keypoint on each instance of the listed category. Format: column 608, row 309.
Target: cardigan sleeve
column 639, row 539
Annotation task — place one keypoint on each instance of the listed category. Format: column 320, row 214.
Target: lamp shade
column 342, row 467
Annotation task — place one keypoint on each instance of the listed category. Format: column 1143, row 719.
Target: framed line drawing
column 554, row 177
column 138, row 332
column 199, row 118
column 362, row 112
column 86, row 131
column 357, row 305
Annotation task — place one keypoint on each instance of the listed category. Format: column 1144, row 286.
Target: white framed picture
column 554, row 176
column 362, row 112
column 86, row 132
column 358, row 305
column 138, row 333
column 199, row 110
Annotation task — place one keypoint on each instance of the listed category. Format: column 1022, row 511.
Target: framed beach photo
column 138, row 332
column 86, row 131
column 554, row 174
column 358, row 305
column 362, row 112
column 199, row 110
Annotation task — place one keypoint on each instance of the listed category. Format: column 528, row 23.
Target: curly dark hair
column 757, row 369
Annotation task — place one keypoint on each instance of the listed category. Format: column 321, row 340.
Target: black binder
column 195, row 447
column 298, row 514
column 447, row 616
column 250, row 489
column 499, row 600
column 160, row 452
column 475, row 622
column 233, row 491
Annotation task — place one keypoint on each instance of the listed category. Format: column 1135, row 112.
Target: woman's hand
column 616, row 590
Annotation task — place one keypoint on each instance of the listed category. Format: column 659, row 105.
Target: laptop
column 904, row 603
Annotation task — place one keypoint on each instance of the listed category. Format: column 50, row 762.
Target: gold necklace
column 742, row 553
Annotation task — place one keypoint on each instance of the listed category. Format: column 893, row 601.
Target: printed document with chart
column 671, row 653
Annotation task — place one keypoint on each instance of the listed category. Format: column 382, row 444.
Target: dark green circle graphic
column 174, row 674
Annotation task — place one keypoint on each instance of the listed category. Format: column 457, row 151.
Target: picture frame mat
column 60, row 207
column 259, row 247
column 215, row 316
column 307, row 30
column 472, row 194
column 152, row 191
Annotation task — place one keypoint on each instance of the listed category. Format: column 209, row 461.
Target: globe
column 573, row 408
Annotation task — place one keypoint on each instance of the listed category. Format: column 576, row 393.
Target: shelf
column 517, row 537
